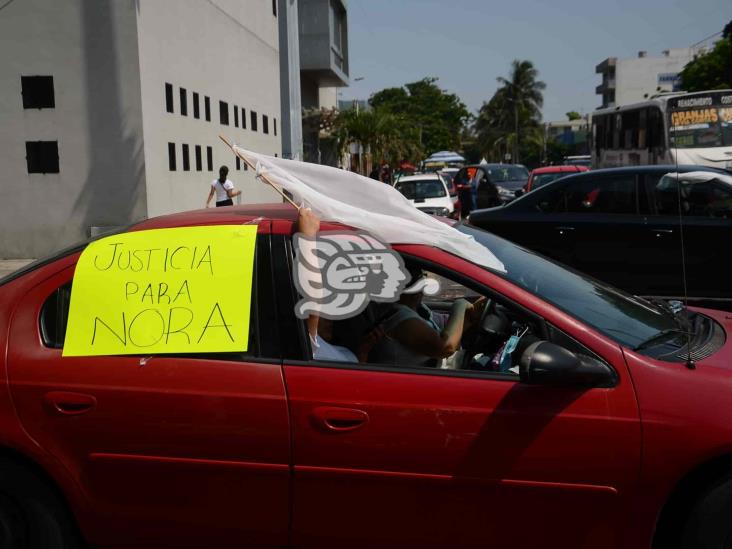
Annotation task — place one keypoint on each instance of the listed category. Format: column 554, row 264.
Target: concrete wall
column 227, row 50
column 638, row 76
column 90, row 49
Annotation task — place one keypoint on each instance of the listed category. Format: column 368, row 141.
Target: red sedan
column 609, row 428
column 541, row 176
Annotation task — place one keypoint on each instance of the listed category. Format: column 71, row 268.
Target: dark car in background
column 622, row 225
column 487, row 185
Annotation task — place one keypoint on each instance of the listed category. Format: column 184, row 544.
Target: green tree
column 512, row 113
column 438, row 116
column 523, row 92
column 573, row 115
column 383, row 135
column 712, row 70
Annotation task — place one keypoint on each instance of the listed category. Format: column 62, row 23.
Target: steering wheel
column 474, row 337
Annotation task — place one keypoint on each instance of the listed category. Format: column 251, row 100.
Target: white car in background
column 427, row 192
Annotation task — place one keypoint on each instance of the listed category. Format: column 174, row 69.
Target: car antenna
column 689, row 362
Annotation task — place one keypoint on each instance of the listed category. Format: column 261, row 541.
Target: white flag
column 366, row 204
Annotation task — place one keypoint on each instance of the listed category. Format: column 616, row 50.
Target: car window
column 418, row 189
column 608, row 195
column 500, row 174
column 709, row 198
column 543, row 178
column 55, row 311
column 625, row 318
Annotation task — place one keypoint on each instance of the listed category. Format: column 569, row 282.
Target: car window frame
column 545, row 327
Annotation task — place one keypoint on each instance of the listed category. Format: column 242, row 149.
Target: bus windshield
column 701, row 128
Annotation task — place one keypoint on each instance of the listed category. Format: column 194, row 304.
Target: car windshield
column 626, row 319
column 421, row 188
column 544, row 178
column 508, row 173
column 701, row 128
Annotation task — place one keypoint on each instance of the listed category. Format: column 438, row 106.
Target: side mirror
column 545, row 363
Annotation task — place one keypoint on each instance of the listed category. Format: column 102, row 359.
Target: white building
column 124, row 122
column 626, row 81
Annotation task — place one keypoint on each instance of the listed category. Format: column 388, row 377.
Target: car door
column 408, row 457
column 537, row 221
column 706, row 220
column 189, row 450
column 603, row 213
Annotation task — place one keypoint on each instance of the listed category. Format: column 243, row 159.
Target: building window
column 274, row 8
column 186, row 159
column 274, row 124
column 224, row 113
column 207, row 107
column 171, row 157
column 196, row 112
column 199, row 164
column 243, row 118
column 253, row 120
column 236, row 116
column 37, row 92
column 265, row 123
column 169, row 97
column 183, row 102
column 42, row 156
column 338, row 39
column 209, row 158
column 238, row 164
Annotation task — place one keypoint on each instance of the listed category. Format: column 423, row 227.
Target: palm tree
column 523, row 92
column 384, row 136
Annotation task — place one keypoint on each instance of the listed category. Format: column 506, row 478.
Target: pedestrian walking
column 223, row 188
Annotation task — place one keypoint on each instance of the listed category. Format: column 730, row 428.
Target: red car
column 608, row 435
column 541, row 176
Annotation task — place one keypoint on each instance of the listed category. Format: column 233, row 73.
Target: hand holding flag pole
column 262, row 176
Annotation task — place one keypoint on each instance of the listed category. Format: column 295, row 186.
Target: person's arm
column 308, row 224
column 231, row 192
column 420, row 338
column 210, row 196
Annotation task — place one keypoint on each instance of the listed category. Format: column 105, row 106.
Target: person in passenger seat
column 320, row 330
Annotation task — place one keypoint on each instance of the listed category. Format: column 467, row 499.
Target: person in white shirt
column 223, row 188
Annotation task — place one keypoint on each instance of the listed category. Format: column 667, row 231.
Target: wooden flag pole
column 264, row 178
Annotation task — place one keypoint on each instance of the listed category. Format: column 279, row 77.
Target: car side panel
column 178, row 451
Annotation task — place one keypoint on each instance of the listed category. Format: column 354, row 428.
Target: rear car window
column 421, row 188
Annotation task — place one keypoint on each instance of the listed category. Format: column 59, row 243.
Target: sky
column 467, row 44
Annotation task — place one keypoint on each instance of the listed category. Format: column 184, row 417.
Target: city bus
column 683, row 128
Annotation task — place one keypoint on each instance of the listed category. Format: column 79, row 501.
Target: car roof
column 559, row 169
column 655, row 168
column 494, row 165
column 431, row 175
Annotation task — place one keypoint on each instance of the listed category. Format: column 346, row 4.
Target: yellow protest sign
column 178, row 290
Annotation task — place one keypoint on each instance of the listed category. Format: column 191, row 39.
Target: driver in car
column 415, row 336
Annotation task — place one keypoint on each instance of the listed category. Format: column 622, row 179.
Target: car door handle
column 337, row 420
column 69, row 404
column 562, row 230
column 661, row 232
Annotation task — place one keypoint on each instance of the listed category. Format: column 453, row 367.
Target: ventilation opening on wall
column 37, row 92
column 42, row 156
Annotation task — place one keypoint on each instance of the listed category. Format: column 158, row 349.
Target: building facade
column 573, row 134
column 112, row 111
column 627, row 81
